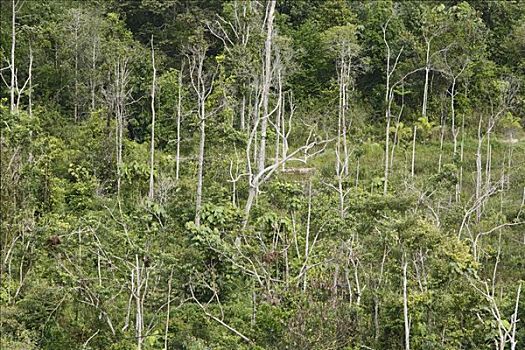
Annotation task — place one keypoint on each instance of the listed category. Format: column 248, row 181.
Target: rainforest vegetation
column 290, row 174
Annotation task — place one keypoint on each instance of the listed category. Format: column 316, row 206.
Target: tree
column 267, row 78
column 152, row 146
column 202, row 84
column 342, row 42
column 434, row 26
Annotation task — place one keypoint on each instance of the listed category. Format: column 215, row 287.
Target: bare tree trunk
column 395, row 142
column 488, row 161
column 256, row 117
column 116, row 97
column 278, row 119
column 139, row 323
column 30, row 79
column 387, row 129
column 405, row 306
column 119, row 121
column 478, row 170
column 286, row 132
column 179, row 117
column 376, row 298
column 261, row 158
column 307, row 238
column 453, row 116
column 396, row 133
column 120, row 134
column 152, row 147
column 514, row 321
column 76, row 27
column 355, row 264
column 441, row 137
column 340, row 191
column 508, row 165
column 198, row 81
column 357, row 173
column 30, row 99
column 20, row 91
column 118, row 149
column 388, row 103
column 93, row 80
column 243, row 111
column 166, row 328
column 12, row 63
column 453, row 93
column 198, row 201
column 462, row 148
column 413, row 150
column 425, row 90
column 344, row 75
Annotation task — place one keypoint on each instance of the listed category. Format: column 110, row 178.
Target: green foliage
column 89, row 258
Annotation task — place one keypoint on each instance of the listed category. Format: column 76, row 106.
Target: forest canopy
column 249, row 174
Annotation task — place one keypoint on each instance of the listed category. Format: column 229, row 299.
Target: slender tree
column 390, row 69
column 202, row 84
column 12, row 64
column 151, row 192
column 267, row 80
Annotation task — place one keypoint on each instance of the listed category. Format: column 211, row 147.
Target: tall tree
column 267, row 81
column 151, row 192
column 202, row 83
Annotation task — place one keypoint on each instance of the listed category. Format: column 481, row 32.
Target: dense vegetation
column 262, row 175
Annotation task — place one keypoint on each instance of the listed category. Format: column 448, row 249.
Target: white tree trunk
column 425, row 89
column 139, row 323
column 93, row 79
column 199, row 83
column 514, row 320
column 278, row 118
column 261, row 158
column 166, row 328
column 77, row 25
column 441, row 140
column 344, row 77
column 479, row 175
column 453, row 116
column 396, row 132
column 405, row 307
column 30, row 79
column 413, row 151
column 12, row 63
column 387, row 129
column 388, row 103
column 198, row 201
column 179, row 117
column 461, row 153
column 151, row 192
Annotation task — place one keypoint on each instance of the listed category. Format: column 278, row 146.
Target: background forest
column 262, row 175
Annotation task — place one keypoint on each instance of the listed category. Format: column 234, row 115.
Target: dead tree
column 405, row 305
column 151, row 192
column 236, row 31
column 12, row 61
column 267, row 79
column 117, row 96
column 15, row 91
column 259, row 178
column 179, row 118
column 203, row 86
column 506, row 328
column 390, row 69
column 504, row 100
